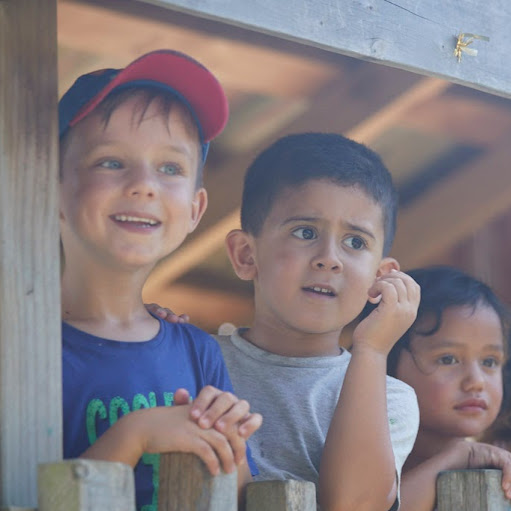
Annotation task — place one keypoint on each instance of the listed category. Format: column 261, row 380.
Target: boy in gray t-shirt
column 318, row 219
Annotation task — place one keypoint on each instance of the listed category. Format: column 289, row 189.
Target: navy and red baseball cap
column 194, row 85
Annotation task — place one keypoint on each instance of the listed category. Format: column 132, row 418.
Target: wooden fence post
column 86, row 485
column 471, row 490
column 288, row 495
column 187, row 485
column 30, row 338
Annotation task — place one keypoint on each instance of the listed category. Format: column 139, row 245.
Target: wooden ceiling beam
column 462, row 119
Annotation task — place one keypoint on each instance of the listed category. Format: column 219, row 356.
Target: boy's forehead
column 132, row 114
column 325, row 196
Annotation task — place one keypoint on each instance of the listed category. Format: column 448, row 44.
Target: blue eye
column 305, row 233
column 355, row 242
column 171, row 169
column 111, row 164
column 447, row 360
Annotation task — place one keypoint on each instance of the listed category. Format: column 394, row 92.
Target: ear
column 386, row 265
column 199, row 205
column 240, row 249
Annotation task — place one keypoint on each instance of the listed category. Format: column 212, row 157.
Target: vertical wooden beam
column 30, row 339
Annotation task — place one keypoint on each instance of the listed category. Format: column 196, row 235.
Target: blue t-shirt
column 104, row 380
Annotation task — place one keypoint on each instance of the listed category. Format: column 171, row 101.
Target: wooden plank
column 288, row 495
column 417, row 36
column 471, row 490
column 86, row 485
column 118, row 36
column 186, row 484
column 454, row 209
column 30, row 352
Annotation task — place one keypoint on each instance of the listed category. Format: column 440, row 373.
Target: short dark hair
column 165, row 101
column 443, row 287
column 296, row 159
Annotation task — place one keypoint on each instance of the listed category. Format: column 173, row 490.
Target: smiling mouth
column 137, row 220
column 324, row 291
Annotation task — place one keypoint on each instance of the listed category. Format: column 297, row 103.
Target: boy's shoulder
column 187, row 334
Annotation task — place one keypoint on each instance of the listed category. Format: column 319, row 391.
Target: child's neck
column 285, row 341
column 107, row 303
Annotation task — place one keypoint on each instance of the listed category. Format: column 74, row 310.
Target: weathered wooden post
column 281, row 496
column 86, row 485
column 471, row 490
column 30, row 339
column 187, row 485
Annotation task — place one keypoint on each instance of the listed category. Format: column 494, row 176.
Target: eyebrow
column 112, row 144
column 312, row 219
column 452, row 344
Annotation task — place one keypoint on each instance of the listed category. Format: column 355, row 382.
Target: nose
column 327, row 258
column 473, row 377
column 141, row 182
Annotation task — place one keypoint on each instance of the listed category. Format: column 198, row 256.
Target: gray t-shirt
column 297, row 397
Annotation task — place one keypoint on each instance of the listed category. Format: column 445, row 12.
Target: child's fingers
column 395, row 287
column 222, row 404
column 235, row 414
column 203, row 401
column 181, row 397
column 165, row 313
column 238, row 446
column 222, row 447
column 250, row 424
column 208, row 455
column 504, row 463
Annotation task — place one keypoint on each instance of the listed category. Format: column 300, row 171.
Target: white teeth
column 125, row 218
column 322, row 290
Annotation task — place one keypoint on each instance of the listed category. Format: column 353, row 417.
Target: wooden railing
column 186, row 485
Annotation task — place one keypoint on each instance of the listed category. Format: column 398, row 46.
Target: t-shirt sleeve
column 403, row 416
column 218, row 376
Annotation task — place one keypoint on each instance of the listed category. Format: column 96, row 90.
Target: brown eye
column 305, row 233
column 447, row 360
column 355, row 242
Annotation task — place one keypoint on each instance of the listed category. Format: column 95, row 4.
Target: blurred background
column 448, row 147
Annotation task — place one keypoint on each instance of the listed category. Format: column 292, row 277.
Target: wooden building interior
column 447, row 146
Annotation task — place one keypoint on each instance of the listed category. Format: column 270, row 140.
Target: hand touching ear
column 397, row 296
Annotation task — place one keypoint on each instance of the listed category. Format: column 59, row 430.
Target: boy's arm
column 357, row 469
column 418, row 485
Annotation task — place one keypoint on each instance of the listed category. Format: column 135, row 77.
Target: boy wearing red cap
column 133, row 144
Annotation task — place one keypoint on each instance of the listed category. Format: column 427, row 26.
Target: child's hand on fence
column 398, row 296
column 166, row 314
column 227, row 414
column 479, row 455
column 169, row 429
